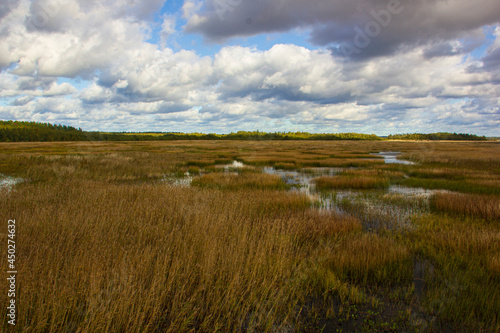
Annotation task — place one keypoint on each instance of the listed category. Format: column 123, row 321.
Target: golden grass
column 484, row 206
column 452, row 235
column 316, row 226
column 248, row 180
column 285, row 166
column 194, row 170
column 97, row 257
column 440, row 173
column 475, row 155
column 104, row 245
column 200, row 163
column 372, row 259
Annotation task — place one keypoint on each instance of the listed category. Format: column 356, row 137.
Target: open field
column 206, row 236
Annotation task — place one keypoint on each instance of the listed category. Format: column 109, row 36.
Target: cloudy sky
column 370, row 66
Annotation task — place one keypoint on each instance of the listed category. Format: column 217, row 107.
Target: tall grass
column 148, row 258
column 464, row 287
column 373, row 259
column 104, row 245
column 249, row 180
column 484, row 206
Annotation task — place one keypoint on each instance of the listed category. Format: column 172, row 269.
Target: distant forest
column 437, row 136
column 21, row 131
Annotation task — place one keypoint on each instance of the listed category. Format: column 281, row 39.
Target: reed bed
column 97, row 257
column 464, row 286
column 372, row 259
column 462, row 155
column 484, row 206
column 105, row 246
column 248, row 180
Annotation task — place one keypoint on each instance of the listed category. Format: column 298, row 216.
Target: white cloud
column 96, row 94
column 190, row 7
column 167, row 29
column 69, row 42
column 130, row 84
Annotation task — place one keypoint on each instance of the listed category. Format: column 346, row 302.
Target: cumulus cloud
column 377, row 27
column 167, row 29
column 491, row 61
column 22, row 100
column 412, row 74
column 7, row 6
column 12, row 86
column 190, row 7
column 244, row 85
column 68, row 39
column 96, row 94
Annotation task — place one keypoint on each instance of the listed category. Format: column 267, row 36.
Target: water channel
column 390, row 208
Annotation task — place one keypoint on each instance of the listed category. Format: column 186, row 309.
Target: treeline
column 242, row 135
column 257, row 135
column 23, row 131
column 438, row 136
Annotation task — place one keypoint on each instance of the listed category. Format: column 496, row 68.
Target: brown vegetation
column 372, row 259
column 147, row 258
column 104, row 244
column 485, row 206
column 247, row 180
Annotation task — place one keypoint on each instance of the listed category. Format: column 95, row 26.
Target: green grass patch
column 464, row 285
column 200, row 163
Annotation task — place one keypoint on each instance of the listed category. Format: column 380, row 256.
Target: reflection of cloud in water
column 179, row 181
column 391, row 157
column 236, row 164
column 9, row 182
column 369, row 206
column 413, row 191
column 303, row 182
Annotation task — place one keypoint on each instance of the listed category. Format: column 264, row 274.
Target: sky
column 220, row 66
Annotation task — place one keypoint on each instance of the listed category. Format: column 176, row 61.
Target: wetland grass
column 105, row 245
column 249, row 180
column 484, row 206
column 464, row 285
column 372, row 259
column 147, row 258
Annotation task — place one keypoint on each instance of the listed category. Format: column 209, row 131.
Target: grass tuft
column 484, row 206
column 246, row 180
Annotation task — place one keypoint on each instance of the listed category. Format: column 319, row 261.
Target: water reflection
column 390, row 157
column 184, row 181
column 9, row 182
column 412, row 191
column 391, row 208
column 303, row 182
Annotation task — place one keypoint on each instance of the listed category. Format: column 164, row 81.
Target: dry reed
column 484, row 206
